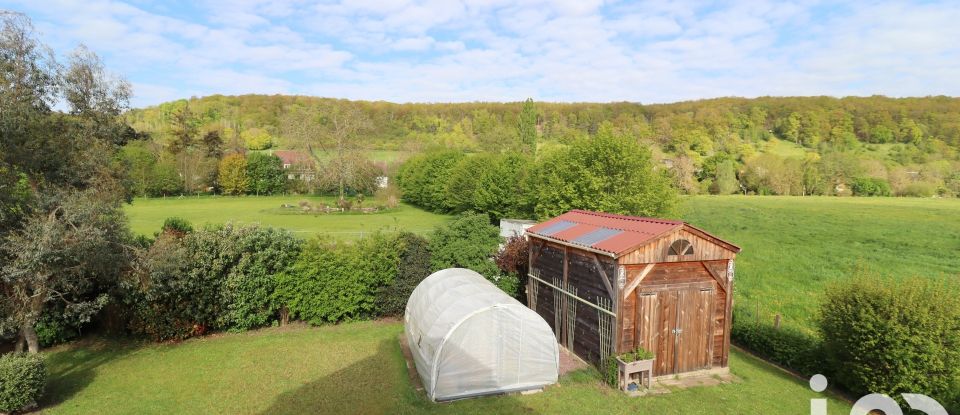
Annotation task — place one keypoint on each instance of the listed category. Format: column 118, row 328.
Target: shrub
column 22, row 380
column 870, row 186
column 214, row 278
column 414, row 266
column 336, row 281
column 423, row 179
column 177, row 225
column 513, row 260
column 894, row 337
column 467, row 242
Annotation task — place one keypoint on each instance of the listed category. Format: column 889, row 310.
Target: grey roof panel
column 557, row 227
column 598, row 235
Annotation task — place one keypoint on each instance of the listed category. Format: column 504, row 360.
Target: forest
column 864, row 146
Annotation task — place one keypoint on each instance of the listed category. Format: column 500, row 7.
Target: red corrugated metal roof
column 607, row 232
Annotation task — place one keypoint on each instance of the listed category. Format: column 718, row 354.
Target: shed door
column 676, row 325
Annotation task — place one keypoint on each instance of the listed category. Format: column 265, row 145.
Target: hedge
column 22, row 380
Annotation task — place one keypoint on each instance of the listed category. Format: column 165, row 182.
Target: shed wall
column 703, row 249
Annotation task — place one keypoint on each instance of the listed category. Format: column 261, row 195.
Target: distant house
column 297, row 164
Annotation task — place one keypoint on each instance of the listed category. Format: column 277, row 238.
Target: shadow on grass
column 70, row 371
column 379, row 385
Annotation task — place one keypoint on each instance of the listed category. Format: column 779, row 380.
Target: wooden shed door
column 677, row 327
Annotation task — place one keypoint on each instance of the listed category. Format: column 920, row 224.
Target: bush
column 22, row 380
column 423, row 179
column 336, row 281
column 513, row 260
column 889, row 337
column 870, row 186
column 785, row 346
column 177, row 225
column 414, row 266
column 467, row 242
column 214, row 278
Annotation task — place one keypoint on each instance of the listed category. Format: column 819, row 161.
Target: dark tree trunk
column 21, row 345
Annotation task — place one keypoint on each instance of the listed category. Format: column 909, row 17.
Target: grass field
column 147, row 215
column 353, row 368
column 793, row 246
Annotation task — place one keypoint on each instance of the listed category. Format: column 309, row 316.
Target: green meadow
column 794, row 247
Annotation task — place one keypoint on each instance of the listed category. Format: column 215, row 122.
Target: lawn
column 793, row 247
column 147, row 215
column 352, row 368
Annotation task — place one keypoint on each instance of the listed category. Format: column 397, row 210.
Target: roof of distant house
column 292, row 157
column 614, row 234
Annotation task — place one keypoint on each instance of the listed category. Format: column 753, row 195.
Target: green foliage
column 893, row 338
column 336, row 281
column 213, row 278
column 257, row 139
column 610, row 368
column 726, row 179
column 608, row 173
column 423, row 179
column 527, row 127
column 413, row 267
column 177, row 224
column 232, row 176
column 468, row 242
column 870, row 186
column 23, row 378
column 164, row 180
column 265, row 174
column 501, row 190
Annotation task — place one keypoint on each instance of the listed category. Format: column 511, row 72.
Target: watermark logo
column 875, row 402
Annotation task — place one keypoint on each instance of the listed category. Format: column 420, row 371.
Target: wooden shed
column 610, row 283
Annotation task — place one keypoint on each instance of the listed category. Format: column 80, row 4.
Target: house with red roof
column 299, row 165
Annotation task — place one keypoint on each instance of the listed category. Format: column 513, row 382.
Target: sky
column 509, row 50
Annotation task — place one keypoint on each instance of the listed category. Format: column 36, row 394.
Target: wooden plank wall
column 582, row 273
column 703, row 250
column 640, row 308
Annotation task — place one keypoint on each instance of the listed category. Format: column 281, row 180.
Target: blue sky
column 501, row 50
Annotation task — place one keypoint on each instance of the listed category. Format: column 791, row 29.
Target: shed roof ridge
column 631, row 218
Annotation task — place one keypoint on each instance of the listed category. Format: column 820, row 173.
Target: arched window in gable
column 681, row 247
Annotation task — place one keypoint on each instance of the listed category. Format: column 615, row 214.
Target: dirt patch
column 569, row 362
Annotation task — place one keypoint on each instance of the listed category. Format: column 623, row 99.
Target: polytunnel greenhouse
column 469, row 338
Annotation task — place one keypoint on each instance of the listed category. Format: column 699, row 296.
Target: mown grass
column 352, row 368
column 793, row 247
column 147, row 215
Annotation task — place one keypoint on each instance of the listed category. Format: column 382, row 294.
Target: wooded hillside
column 769, row 145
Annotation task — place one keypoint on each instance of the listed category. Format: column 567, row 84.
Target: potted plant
column 638, row 361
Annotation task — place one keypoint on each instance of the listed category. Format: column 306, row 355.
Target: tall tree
column 68, row 234
column 527, row 127
column 334, row 130
column 232, row 175
column 265, row 174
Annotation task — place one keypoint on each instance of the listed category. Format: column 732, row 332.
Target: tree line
column 760, row 145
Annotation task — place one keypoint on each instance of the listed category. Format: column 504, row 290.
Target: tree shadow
column 379, row 385
column 73, row 369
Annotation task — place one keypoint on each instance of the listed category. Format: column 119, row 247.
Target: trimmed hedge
column 22, row 381
column 894, row 337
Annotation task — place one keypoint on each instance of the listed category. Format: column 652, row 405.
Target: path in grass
column 794, row 246
column 147, row 215
column 352, row 368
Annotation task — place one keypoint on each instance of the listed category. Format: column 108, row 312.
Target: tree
column 232, row 175
column 527, row 127
column 332, row 129
column 467, row 242
column 59, row 255
column 257, row 139
column 726, row 178
column 265, row 174
column 461, row 185
column 501, row 187
column 608, row 173
column 63, row 235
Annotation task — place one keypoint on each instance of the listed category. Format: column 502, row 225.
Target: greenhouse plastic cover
column 469, row 338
